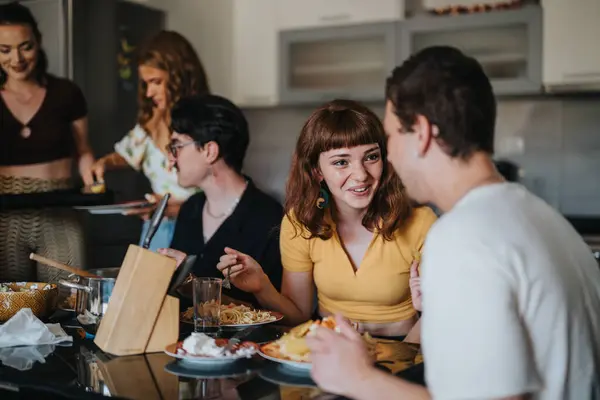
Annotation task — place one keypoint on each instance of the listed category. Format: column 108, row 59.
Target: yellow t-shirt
column 378, row 291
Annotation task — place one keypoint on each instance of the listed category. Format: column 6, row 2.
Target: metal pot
column 93, row 294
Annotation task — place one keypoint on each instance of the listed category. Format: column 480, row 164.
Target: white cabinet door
column 255, row 53
column 298, row 14
column 237, row 43
column 571, row 42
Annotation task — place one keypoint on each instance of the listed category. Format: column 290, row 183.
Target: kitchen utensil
column 57, row 198
column 59, row 265
column 93, row 295
column 226, row 281
column 140, row 317
column 113, row 209
column 181, row 273
column 156, row 220
column 237, row 338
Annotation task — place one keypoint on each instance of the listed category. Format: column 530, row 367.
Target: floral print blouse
column 140, row 151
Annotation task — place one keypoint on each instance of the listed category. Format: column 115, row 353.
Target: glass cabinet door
column 345, row 62
column 508, row 44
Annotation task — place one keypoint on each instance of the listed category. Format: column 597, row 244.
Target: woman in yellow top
column 349, row 229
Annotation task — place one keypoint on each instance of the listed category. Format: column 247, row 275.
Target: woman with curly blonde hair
column 349, row 230
column 169, row 70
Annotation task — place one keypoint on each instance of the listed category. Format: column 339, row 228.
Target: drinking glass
column 207, row 305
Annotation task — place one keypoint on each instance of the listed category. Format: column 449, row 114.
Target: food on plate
column 237, row 314
column 98, row 187
column 70, row 301
column 292, row 346
column 199, row 344
column 95, row 188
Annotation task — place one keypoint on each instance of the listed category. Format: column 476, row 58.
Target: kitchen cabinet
column 255, row 53
column 237, row 43
column 294, row 14
column 352, row 62
column 508, row 44
column 571, row 56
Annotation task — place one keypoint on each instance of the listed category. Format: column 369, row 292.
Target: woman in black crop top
column 43, row 129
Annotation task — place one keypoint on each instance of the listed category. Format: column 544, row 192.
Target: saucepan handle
column 74, row 285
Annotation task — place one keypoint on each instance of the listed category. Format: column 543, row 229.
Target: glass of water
column 207, row 305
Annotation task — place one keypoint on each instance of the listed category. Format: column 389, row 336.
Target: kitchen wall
column 555, row 140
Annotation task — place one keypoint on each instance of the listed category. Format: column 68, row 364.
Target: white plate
column 281, row 375
column 200, row 361
column 240, row 368
column 304, row 366
column 114, row 208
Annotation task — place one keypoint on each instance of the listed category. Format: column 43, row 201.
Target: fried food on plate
column 292, row 345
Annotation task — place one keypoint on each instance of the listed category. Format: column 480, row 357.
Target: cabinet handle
column 575, row 75
column 335, row 17
column 332, row 96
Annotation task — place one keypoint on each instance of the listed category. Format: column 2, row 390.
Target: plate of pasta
column 238, row 316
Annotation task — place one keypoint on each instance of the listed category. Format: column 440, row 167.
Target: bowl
column 39, row 296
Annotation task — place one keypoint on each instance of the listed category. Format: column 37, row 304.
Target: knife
column 237, row 338
column 180, row 274
column 156, row 220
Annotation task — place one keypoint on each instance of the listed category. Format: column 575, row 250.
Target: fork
column 237, row 338
column 231, row 343
column 227, row 282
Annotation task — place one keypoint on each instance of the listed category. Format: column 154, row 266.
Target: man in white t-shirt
column 510, row 292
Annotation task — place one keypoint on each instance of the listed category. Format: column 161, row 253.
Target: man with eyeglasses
column 209, row 141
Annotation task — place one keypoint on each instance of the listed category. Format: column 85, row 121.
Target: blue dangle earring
column 323, row 200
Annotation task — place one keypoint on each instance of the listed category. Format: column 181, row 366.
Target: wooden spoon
column 64, row 267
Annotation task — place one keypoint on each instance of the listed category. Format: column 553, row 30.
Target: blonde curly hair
column 171, row 52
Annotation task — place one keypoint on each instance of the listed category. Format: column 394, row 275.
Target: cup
column 207, row 305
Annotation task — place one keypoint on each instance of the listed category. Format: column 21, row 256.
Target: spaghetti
column 233, row 314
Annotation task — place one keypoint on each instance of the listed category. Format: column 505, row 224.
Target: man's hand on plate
column 339, row 360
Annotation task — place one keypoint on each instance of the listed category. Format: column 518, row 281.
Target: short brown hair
column 338, row 124
column 452, row 91
column 171, row 52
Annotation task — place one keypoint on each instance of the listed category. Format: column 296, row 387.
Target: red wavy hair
column 341, row 124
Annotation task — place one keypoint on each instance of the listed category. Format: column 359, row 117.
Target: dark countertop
column 83, row 371
column 585, row 225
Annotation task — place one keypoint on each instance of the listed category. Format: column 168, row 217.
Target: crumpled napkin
column 24, row 339
column 25, row 329
column 87, row 318
column 23, row 358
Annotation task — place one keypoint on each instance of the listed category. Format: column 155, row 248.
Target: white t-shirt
column 511, row 301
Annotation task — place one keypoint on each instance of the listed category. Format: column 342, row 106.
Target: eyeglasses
column 174, row 147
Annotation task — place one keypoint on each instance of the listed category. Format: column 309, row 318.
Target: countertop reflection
column 84, row 371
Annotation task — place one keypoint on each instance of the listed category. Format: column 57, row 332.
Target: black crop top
column 51, row 132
